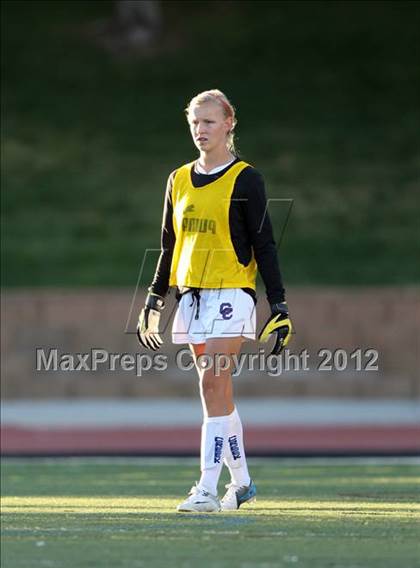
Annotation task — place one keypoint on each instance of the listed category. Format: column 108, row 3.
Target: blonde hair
column 216, row 96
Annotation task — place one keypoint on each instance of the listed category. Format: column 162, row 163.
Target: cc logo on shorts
column 226, row 310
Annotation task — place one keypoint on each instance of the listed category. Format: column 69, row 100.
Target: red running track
column 186, row 440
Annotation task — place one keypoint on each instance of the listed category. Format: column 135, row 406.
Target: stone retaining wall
column 74, row 321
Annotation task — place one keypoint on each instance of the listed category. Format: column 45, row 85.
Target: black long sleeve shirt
column 250, row 229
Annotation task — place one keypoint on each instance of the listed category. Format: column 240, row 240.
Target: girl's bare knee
column 213, row 388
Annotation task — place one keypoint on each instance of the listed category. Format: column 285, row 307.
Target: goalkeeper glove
column 148, row 325
column 278, row 324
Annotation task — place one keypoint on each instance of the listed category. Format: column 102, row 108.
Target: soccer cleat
column 236, row 496
column 199, row 501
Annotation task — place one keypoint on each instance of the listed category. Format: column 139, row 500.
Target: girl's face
column 209, row 127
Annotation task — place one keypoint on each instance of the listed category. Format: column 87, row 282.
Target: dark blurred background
column 327, row 97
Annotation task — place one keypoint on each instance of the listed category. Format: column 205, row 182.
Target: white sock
column 214, row 433
column 235, row 458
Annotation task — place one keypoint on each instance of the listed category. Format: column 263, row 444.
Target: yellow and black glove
column 278, row 324
column 148, row 325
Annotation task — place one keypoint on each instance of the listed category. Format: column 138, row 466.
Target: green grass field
column 327, row 96
column 120, row 513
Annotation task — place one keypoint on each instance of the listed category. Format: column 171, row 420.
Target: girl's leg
column 216, row 389
column 221, row 431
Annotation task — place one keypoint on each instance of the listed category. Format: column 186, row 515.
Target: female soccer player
column 216, row 232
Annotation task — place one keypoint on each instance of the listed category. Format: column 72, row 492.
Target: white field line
column 171, row 461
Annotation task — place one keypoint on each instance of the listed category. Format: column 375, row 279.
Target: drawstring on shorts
column 196, row 295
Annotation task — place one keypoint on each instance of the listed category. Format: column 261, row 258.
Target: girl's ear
column 229, row 124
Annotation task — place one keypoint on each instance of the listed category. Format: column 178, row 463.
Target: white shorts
column 226, row 312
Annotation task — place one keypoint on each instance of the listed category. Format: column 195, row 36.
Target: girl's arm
column 160, row 283
column 251, row 227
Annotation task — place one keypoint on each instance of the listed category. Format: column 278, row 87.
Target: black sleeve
column 160, row 283
column 252, row 201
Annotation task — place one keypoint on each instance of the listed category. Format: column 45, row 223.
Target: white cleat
column 199, row 501
column 236, row 496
